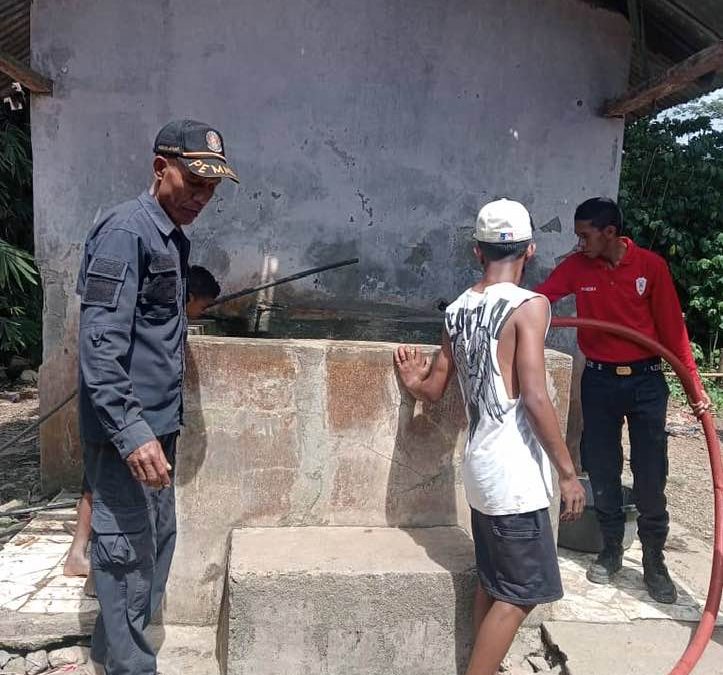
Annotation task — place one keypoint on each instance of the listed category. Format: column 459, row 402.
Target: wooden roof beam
column 19, row 72
column 677, row 77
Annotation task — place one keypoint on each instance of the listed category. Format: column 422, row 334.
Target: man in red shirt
column 614, row 280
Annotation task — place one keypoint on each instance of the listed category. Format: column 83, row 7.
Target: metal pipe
column 38, row 422
column 284, row 280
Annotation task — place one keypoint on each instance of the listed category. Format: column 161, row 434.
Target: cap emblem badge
column 213, row 141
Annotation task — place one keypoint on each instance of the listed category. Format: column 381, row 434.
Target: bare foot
column 76, row 565
column 89, row 588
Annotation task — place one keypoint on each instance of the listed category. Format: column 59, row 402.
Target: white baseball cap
column 503, row 222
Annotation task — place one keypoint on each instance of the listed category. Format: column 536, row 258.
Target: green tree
column 20, row 294
column 706, row 107
column 671, row 191
column 19, row 332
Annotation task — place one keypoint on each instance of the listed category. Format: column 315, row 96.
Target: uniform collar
column 157, row 214
column 627, row 259
column 630, row 253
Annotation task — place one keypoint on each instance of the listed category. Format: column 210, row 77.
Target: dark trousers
column 642, row 399
column 134, row 536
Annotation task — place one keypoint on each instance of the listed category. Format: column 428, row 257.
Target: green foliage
column 18, row 332
column 16, row 198
column 20, row 293
column 16, row 267
column 714, row 390
column 671, row 192
column 706, row 107
column 713, row 386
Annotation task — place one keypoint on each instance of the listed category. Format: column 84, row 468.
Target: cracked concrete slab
column 634, row 648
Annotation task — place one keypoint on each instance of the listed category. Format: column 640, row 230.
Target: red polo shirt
column 638, row 293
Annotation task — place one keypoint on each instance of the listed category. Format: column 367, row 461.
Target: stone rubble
column 68, row 656
column 69, row 660
column 37, row 662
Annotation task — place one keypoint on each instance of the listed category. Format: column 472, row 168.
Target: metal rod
column 50, row 506
column 218, row 301
column 37, row 422
column 284, row 280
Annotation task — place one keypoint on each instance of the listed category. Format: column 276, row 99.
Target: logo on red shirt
column 640, row 284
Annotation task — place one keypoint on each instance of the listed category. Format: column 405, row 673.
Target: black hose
column 284, row 280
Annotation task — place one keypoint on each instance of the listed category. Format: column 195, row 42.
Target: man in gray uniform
column 132, row 284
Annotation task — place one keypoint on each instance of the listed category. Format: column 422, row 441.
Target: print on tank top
column 470, row 338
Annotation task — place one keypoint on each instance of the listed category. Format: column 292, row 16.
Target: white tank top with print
column 505, row 470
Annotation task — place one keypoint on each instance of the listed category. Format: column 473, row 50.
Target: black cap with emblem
column 197, row 145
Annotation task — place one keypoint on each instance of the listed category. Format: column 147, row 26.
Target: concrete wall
column 287, row 433
column 370, row 128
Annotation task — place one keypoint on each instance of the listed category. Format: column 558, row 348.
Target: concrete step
column 185, row 650
column 182, row 650
column 319, row 434
column 351, row 600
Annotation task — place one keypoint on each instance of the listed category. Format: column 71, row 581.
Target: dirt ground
column 690, row 495
column 690, row 490
column 20, row 463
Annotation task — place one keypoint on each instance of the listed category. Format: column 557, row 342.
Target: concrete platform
column 636, row 648
column 291, row 433
column 350, row 600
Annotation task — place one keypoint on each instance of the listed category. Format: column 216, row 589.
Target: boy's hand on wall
column 412, row 365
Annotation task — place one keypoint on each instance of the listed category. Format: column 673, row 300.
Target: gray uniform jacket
column 132, row 284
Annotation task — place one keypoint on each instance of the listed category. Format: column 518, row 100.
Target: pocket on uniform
column 160, row 289
column 121, row 536
column 110, row 550
column 158, row 311
column 104, row 280
column 159, row 292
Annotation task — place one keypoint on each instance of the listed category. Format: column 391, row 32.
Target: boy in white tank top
column 494, row 338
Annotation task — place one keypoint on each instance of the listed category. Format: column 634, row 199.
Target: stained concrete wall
column 297, row 432
column 369, row 128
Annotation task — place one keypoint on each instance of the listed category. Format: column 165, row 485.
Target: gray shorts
column 517, row 557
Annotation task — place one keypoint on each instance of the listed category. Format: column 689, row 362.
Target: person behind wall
column 202, row 290
column 132, row 284
column 614, row 280
column 494, row 340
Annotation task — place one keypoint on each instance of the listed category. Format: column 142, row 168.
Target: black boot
column 655, row 574
column 608, row 563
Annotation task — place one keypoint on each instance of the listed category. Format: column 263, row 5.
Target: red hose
column 692, row 387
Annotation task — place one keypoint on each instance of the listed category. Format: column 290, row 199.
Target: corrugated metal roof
column 14, row 33
column 673, row 30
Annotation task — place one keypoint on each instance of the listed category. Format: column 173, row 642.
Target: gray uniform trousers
column 134, row 536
